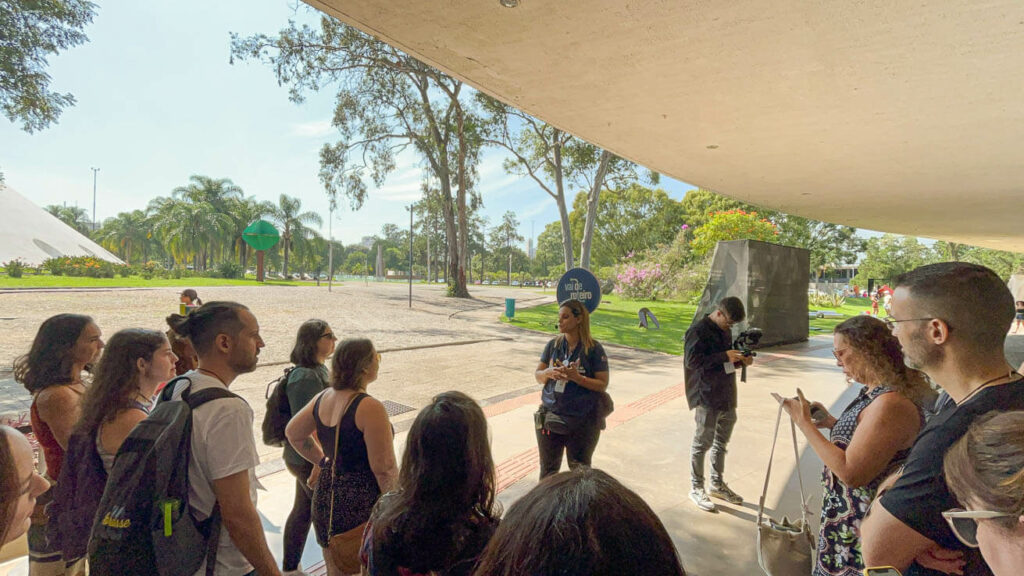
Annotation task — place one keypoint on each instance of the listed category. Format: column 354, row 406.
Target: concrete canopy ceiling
column 893, row 116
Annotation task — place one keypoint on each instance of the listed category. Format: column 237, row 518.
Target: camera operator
column 709, row 369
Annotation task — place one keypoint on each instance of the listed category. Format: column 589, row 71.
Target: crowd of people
column 925, row 484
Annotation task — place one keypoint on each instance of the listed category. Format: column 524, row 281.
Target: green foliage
column 82, row 266
column 632, row 219
column 228, row 269
column 890, row 255
column 75, row 217
column 732, row 225
column 821, row 300
column 15, row 268
column 31, row 32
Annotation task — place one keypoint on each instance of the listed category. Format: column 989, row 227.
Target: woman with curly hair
column 868, row 441
column 65, row 346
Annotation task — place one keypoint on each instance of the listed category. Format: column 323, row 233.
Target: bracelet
column 323, row 462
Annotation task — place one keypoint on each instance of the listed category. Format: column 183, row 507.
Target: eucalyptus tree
column 293, row 224
column 556, row 160
column 504, row 236
column 386, row 102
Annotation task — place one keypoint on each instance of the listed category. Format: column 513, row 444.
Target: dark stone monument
column 770, row 279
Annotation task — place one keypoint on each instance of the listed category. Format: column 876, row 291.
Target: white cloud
column 315, row 129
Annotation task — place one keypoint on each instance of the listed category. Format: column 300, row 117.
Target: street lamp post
column 94, row 171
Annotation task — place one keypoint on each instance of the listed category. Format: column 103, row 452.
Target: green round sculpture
column 261, row 235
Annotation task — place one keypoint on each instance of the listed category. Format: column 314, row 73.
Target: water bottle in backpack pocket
column 144, row 524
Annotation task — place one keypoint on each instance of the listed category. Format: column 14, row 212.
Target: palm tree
column 293, row 223
column 189, row 228
column 243, row 212
column 77, row 218
column 219, row 193
column 126, row 233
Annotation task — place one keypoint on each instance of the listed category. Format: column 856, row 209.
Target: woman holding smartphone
column 868, row 441
column 574, row 372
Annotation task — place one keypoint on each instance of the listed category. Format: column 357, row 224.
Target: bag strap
column 334, row 460
column 768, row 473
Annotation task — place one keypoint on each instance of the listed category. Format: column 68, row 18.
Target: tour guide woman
column 574, row 372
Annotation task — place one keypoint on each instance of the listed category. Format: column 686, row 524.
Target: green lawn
column 47, row 281
column 616, row 321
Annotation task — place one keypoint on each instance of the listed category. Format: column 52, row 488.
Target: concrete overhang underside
column 904, row 117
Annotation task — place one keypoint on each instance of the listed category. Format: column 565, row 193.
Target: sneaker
column 700, row 498
column 723, row 492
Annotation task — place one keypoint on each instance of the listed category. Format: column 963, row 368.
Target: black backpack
column 144, row 524
column 278, row 411
column 76, row 497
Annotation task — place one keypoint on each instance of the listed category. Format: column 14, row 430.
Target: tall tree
column 504, row 236
column 631, row 220
column 188, row 228
column 218, row 193
column 890, row 255
column 386, row 102
column 243, row 212
column 30, row 32
column 556, row 161
column 294, row 224
column 829, row 244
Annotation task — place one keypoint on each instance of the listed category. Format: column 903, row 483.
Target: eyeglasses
column 378, row 357
column 891, row 322
column 329, row 335
column 836, row 353
column 964, row 523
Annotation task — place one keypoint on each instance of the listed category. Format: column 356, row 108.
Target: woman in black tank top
column 346, row 488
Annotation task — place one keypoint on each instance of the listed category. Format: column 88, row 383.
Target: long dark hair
column 582, row 522
column 51, row 358
column 115, row 382
column 10, row 483
column 446, row 486
column 882, row 352
column 351, row 358
column 192, row 295
column 306, row 343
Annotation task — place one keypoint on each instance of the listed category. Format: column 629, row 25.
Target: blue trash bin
column 510, row 307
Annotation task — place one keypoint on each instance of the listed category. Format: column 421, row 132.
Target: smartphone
column 882, row 571
column 817, row 414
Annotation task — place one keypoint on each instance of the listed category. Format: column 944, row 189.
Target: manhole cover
column 394, row 408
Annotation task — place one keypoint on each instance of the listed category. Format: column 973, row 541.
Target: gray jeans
column 714, row 428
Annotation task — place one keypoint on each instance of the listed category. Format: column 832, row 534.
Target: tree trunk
column 563, row 214
column 592, row 204
column 461, row 291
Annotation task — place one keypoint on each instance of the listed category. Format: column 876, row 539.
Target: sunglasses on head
column 964, row 523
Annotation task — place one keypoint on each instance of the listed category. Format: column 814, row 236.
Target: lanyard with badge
column 565, row 361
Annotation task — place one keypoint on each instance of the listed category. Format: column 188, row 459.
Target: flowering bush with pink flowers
column 639, row 282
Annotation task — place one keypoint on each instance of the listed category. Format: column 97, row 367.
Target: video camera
column 744, row 343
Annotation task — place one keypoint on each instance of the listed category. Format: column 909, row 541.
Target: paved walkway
column 443, row 344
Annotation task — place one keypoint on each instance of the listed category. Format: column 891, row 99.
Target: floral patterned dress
column 843, row 507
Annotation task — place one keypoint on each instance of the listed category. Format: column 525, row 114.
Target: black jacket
column 704, row 361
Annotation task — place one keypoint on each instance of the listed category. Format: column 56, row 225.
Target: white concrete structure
column 32, row 234
column 896, row 116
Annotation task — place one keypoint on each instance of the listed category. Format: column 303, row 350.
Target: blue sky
column 158, row 101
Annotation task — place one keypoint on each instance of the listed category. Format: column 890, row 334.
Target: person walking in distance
column 709, row 371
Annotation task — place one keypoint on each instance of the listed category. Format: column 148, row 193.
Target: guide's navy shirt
column 575, row 400
column 920, row 496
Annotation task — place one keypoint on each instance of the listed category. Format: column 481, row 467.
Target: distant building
column 841, row 274
column 368, row 241
column 529, row 248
